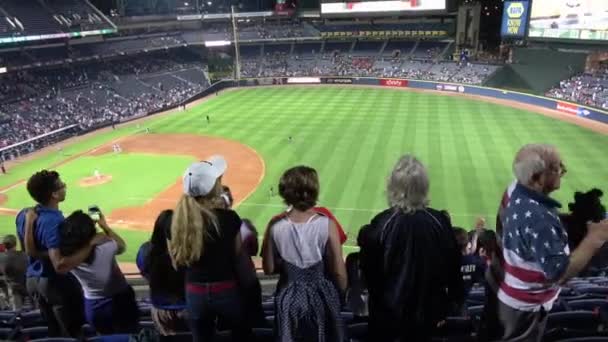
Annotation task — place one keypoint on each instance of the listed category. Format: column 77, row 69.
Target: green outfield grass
column 353, row 137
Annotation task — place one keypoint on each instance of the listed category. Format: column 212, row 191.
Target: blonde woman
column 206, row 242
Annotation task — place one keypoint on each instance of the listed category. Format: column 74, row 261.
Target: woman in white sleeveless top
column 300, row 245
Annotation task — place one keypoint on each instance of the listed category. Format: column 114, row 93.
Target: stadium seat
column 571, row 324
column 5, row 333
column 586, row 339
column 596, row 291
column 30, row 319
column 34, row 333
column 560, row 305
column 596, row 305
column 180, row 337
column 357, row 332
column 456, row 328
column 55, row 339
column 110, row 338
column 146, row 325
column 263, row 334
column 7, row 319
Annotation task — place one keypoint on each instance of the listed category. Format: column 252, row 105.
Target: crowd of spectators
column 280, row 64
column 38, row 102
column 590, row 89
column 413, row 275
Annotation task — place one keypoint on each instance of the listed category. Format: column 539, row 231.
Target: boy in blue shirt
column 59, row 295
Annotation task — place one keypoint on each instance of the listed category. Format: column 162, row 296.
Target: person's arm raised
column 597, row 235
column 122, row 245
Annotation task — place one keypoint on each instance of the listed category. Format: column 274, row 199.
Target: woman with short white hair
column 410, row 259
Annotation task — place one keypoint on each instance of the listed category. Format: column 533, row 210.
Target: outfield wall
column 541, row 101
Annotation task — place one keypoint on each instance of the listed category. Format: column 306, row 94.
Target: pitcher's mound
column 93, row 181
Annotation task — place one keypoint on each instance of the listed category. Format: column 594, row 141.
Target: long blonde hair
column 189, row 229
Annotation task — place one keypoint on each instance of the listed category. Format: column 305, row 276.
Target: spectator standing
column 13, row 265
column 410, row 260
column 58, row 295
column 167, row 292
column 300, row 245
column 249, row 284
column 110, row 305
column 206, row 241
column 472, row 266
column 535, row 245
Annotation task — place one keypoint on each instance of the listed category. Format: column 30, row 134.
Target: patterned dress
column 307, row 304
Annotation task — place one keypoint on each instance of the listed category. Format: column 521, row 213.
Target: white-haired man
column 535, row 245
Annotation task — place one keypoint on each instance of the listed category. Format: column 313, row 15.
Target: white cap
column 200, row 177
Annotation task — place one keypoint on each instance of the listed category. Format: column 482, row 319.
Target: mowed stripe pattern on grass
column 353, row 137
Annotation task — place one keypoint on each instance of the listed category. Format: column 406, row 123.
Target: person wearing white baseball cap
column 206, row 242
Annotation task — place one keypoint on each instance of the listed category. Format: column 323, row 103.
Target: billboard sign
column 380, row 6
column 393, row 83
column 569, row 19
column 514, row 19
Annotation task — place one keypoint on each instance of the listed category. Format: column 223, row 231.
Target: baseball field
column 352, row 136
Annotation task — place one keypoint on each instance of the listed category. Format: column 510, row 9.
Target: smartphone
column 94, row 213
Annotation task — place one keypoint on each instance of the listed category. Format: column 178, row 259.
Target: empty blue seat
column 5, row 333
column 357, row 331
column 30, row 319
column 263, row 334
column 110, row 338
column 596, row 305
column 571, row 324
column 598, row 291
column 35, row 333
column 147, row 324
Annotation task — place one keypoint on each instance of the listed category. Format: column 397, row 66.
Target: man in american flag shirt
column 535, row 245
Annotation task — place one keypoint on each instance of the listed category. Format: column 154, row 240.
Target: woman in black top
column 206, row 242
column 167, row 291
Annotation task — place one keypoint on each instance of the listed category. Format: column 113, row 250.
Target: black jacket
column 412, row 266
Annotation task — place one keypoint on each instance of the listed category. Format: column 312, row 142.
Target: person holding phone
column 109, row 304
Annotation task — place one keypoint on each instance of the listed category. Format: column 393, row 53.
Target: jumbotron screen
column 380, row 6
column 569, row 19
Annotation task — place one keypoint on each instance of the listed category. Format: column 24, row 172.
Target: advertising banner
column 303, row 80
column 379, row 6
column 393, row 83
column 451, row 87
column 567, row 108
column 569, row 19
column 514, row 19
column 339, row 80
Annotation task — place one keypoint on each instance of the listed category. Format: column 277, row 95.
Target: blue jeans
column 205, row 307
column 113, row 315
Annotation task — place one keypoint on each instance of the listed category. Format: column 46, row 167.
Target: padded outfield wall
column 528, row 99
